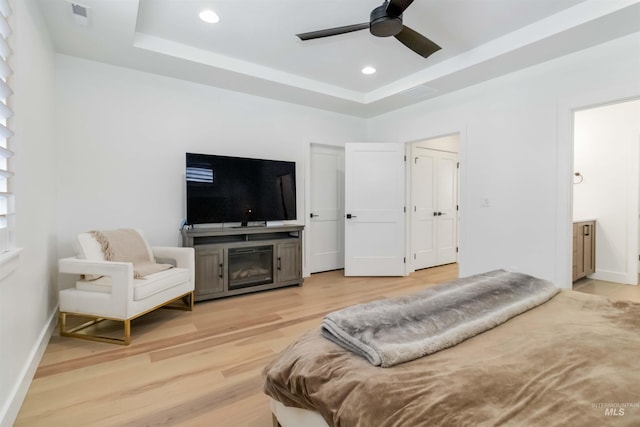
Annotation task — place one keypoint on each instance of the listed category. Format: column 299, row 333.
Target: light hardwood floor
column 607, row 289
column 200, row 368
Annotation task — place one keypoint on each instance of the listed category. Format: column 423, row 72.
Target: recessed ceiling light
column 209, row 16
column 368, row 70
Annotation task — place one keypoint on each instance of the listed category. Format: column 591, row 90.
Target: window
column 6, row 173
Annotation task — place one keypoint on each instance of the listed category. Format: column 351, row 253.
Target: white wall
column 27, row 297
column 514, row 152
column 122, row 137
column 607, row 155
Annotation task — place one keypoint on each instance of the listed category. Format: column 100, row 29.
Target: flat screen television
column 222, row 189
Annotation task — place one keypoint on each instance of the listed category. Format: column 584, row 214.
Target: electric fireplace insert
column 251, row 266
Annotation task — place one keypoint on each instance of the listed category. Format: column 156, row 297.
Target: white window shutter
column 7, row 202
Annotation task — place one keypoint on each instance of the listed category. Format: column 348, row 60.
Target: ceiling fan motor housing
column 383, row 25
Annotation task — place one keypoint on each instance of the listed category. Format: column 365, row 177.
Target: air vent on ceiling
column 81, row 14
column 420, row 91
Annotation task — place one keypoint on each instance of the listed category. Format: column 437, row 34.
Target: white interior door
column 374, row 206
column 423, row 219
column 447, row 213
column 327, row 208
column 434, row 219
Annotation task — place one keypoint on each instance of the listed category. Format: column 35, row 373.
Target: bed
column 572, row 360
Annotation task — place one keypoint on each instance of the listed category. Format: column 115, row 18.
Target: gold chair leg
column 74, row 332
column 188, row 300
column 62, row 321
column 127, row 332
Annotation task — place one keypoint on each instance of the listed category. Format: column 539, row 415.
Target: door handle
column 349, row 216
column 312, row 215
column 220, row 267
column 439, row 213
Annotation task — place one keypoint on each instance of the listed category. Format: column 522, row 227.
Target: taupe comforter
column 572, row 361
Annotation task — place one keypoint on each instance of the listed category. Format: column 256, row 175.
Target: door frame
column 411, row 146
column 564, row 168
column 630, row 210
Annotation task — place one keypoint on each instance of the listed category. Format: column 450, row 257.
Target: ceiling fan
column 384, row 21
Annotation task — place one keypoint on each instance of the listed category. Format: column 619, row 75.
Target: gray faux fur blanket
column 397, row 330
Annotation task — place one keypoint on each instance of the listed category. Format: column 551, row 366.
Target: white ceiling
column 253, row 49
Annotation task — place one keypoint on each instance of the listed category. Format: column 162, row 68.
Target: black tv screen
column 235, row 189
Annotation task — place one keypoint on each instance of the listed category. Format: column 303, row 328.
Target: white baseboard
column 614, row 276
column 9, row 411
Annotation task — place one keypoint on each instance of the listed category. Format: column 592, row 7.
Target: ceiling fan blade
column 332, row 31
column 417, row 42
column 396, row 7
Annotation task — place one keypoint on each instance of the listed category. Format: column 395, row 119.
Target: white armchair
column 107, row 290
